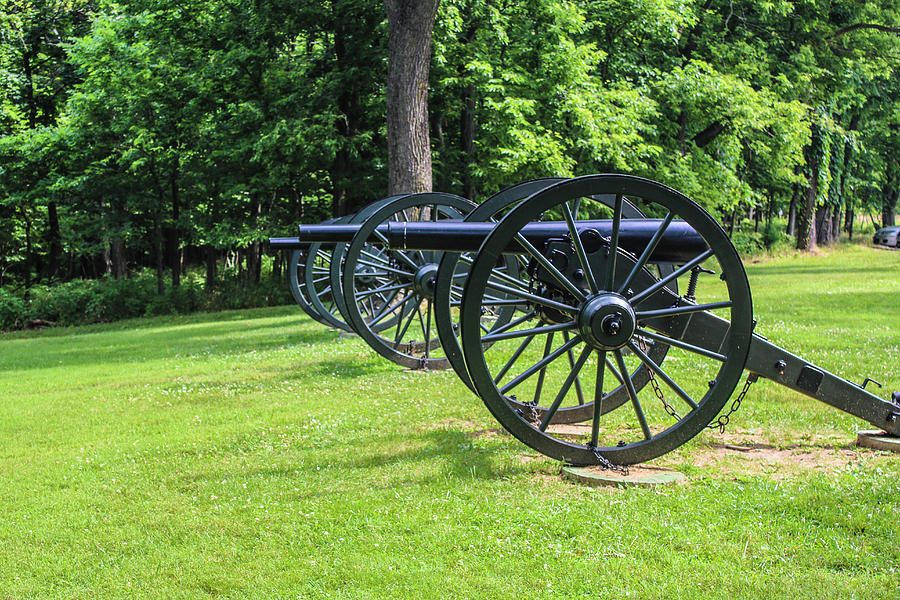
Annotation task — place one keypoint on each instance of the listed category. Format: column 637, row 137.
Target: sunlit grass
column 256, row 454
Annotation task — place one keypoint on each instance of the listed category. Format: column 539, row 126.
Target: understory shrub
column 12, row 309
column 80, row 302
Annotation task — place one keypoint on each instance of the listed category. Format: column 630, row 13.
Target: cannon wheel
column 703, row 380
column 297, row 279
column 368, row 281
column 408, row 278
column 448, row 293
column 297, row 282
column 321, row 293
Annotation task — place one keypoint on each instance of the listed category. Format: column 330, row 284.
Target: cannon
column 606, row 299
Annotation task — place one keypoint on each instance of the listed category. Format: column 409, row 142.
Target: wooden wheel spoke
column 540, row 382
column 614, row 241
column 530, row 297
column 632, row 394
column 683, row 345
column 514, row 323
column 506, row 335
column 649, row 362
column 427, row 326
column 545, row 262
column 598, row 398
column 388, row 310
column 515, row 356
column 681, row 310
column 400, row 333
column 578, row 392
column 579, row 249
column 540, row 364
column 381, row 290
column 646, row 293
column 645, row 255
column 386, row 269
column 573, row 375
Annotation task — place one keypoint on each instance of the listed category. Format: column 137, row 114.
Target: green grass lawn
column 256, row 454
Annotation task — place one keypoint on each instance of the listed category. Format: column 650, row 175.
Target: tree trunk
column 806, row 226
column 848, row 220
column 159, row 248
column 842, row 186
column 117, row 256
column 29, row 251
column 277, row 265
column 890, row 191
column 254, row 256
column 209, row 256
column 792, row 211
column 823, row 225
column 467, row 138
column 174, row 237
column 55, row 238
column 889, row 206
column 410, row 24
column 806, row 231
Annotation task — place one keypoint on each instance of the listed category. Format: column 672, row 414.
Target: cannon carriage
column 608, row 299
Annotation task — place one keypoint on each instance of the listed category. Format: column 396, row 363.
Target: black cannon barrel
column 679, row 244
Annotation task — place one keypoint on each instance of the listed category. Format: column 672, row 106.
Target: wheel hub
column 606, row 321
column 424, row 280
column 365, row 275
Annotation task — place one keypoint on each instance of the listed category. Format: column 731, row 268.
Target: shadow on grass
column 817, row 269
column 843, row 306
column 339, row 368
column 457, row 455
column 232, row 336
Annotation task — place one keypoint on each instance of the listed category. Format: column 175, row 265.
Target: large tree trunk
column 410, row 24
column 890, row 191
column 117, row 255
column 888, row 206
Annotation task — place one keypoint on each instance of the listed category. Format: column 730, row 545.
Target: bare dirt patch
column 776, row 462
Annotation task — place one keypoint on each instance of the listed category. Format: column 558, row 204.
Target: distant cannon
column 579, row 300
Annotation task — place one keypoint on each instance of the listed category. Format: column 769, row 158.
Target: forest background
column 148, row 148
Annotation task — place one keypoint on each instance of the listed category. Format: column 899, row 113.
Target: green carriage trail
column 256, row 454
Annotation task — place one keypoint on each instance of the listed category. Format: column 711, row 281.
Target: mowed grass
column 256, row 454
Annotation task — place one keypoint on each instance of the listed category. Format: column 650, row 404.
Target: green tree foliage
column 149, row 133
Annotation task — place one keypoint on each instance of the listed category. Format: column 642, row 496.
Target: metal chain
column 605, row 464
column 532, row 416
column 722, row 421
column 655, row 385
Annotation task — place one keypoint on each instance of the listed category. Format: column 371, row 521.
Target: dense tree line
column 150, row 133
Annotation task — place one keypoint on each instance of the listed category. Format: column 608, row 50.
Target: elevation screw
column 780, row 366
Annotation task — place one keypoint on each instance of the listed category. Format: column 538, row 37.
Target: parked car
column 888, row 236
